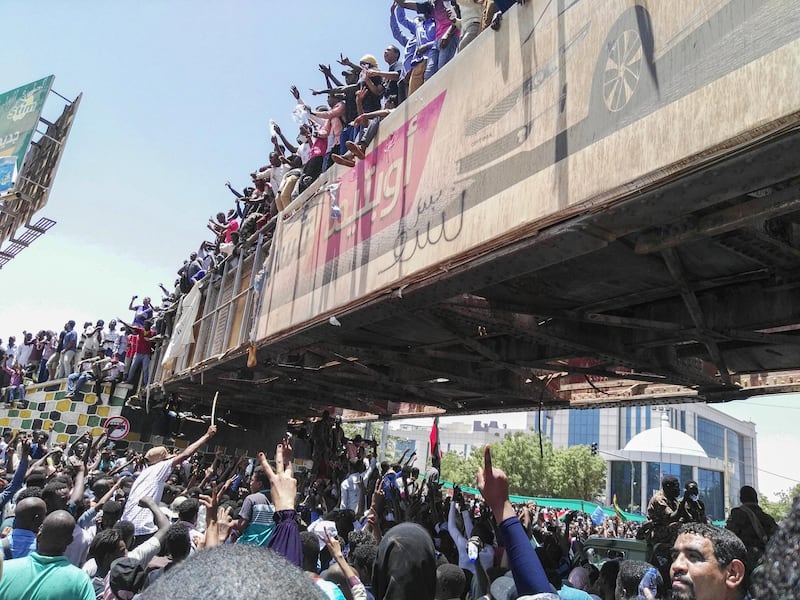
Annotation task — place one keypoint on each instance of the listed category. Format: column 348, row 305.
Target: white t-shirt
column 277, row 176
column 150, row 482
column 304, row 152
column 24, row 354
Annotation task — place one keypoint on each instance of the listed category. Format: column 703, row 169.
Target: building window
column 584, row 427
column 711, row 436
column 627, row 424
column 683, row 421
column 656, row 472
column 712, row 493
column 647, row 412
column 621, row 484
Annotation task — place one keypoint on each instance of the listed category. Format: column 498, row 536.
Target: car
column 598, row 549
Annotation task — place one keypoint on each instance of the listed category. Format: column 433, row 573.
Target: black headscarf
column 406, row 565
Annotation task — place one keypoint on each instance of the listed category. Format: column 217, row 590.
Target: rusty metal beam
column 722, row 221
column 673, row 262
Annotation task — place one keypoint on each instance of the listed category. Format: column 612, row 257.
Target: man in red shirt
column 142, row 347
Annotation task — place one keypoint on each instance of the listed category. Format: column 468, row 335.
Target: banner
column 19, row 115
column 183, row 332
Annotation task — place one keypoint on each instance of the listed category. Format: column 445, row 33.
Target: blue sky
column 177, row 100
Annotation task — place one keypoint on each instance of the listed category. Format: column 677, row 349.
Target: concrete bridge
column 592, row 206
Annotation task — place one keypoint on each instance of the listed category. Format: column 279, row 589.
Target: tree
column 460, row 469
column 778, row 509
column 576, row 473
column 534, row 471
column 527, row 468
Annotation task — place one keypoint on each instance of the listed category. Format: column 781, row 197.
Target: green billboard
column 19, row 115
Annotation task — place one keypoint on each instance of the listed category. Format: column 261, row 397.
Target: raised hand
column 283, row 485
column 333, row 544
column 224, row 522
column 493, row 485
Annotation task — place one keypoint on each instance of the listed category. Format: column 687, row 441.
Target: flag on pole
column 436, row 455
column 618, row 511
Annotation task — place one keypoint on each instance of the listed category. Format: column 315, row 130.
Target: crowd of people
column 100, row 353
column 89, row 520
column 427, row 34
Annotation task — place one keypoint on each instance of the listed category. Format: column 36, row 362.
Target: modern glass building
column 642, row 444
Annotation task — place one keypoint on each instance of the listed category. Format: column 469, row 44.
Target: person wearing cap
column 46, row 574
column 371, row 85
column 151, row 483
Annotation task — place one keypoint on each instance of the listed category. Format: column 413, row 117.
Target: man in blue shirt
column 28, row 517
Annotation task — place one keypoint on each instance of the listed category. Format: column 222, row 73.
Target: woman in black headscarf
column 406, row 565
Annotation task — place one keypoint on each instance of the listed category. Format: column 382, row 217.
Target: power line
column 770, row 405
column 792, row 479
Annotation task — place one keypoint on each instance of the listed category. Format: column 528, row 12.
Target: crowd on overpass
column 98, row 354
column 427, row 35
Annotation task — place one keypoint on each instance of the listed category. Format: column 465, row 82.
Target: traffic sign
column 117, row 427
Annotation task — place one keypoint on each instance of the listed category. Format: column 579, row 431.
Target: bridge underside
column 687, row 291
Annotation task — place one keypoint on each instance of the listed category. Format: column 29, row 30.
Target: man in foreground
column 47, row 574
column 708, row 563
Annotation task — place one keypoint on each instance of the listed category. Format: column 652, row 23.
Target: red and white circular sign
column 117, row 427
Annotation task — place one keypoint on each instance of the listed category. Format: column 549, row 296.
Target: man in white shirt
column 150, row 482
column 351, row 486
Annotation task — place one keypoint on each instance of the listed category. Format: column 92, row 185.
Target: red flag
column 436, row 455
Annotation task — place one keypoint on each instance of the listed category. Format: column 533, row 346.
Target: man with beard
column 708, row 563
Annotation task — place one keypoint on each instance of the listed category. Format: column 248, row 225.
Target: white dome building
column 660, row 451
column 690, row 441
column 663, row 440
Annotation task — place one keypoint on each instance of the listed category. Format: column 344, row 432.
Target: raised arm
column 19, row 474
column 289, row 146
column 194, row 447
column 326, row 70
column 335, row 549
column 529, row 576
column 394, row 24
column 283, row 486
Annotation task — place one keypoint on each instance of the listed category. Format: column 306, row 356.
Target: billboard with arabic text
column 19, row 115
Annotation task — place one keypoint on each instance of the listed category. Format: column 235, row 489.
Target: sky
column 177, row 99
